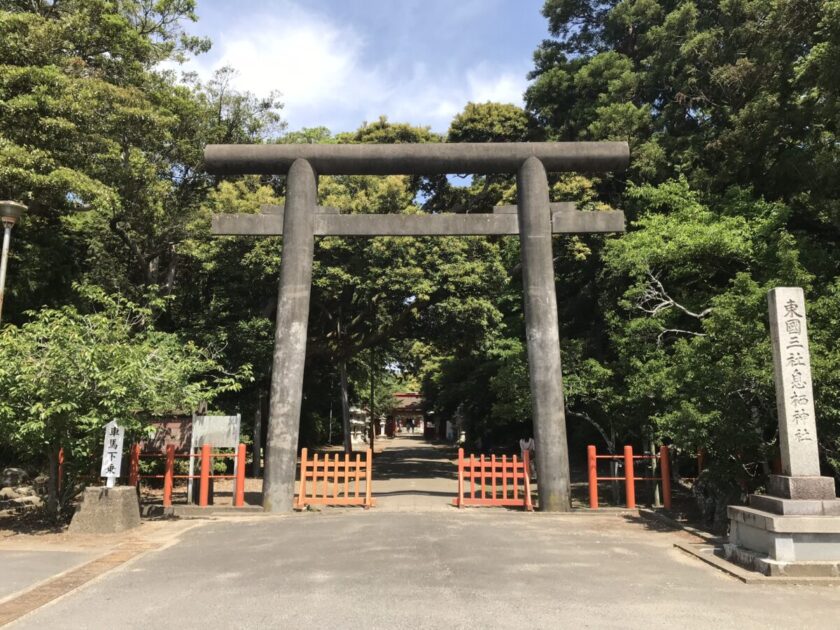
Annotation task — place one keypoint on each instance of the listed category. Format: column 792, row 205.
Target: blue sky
column 340, row 63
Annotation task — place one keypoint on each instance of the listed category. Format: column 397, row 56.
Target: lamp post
column 10, row 212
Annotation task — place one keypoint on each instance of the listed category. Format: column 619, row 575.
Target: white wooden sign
column 112, row 452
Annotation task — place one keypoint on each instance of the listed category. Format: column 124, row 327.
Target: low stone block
column 742, row 556
column 802, row 488
column 784, row 524
column 765, row 565
column 107, row 511
column 776, row 568
column 785, row 538
column 795, row 507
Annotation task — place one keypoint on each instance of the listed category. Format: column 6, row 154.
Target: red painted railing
column 205, row 457
column 630, row 477
column 493, row 481
column 340, row 480
column 60, row 480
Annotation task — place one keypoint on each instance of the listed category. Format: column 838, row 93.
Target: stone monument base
column 106, row 511
column 801, row 488
column 796, row 534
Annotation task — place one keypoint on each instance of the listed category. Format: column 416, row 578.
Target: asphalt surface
column 412, row 475
column 20, row 569
column 416, row 562
column 469, row 569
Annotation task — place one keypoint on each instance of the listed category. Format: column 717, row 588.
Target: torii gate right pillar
column 543, row 337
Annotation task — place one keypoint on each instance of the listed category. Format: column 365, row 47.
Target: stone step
column 794, row 507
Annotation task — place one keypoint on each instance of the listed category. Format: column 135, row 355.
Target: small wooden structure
column 499, row 482
column 206, row 455
column 338, row 480
column 630, row 477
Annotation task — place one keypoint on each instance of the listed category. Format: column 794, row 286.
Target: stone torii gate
column 534, row 219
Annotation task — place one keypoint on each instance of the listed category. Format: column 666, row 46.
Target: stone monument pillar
column 794, row 529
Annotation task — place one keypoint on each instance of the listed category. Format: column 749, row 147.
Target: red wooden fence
column 493, row 481
column 630, row 477
column 204, row 476
column 340, row 480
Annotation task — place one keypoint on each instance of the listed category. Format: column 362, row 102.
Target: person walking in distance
column 527, row 445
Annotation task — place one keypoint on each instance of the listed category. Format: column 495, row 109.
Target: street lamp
column 10, row 212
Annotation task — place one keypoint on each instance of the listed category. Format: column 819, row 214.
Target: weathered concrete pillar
column 543, row 337
column 290, row 338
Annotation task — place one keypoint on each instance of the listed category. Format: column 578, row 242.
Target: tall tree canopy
column 104, row 147
column 731, row 114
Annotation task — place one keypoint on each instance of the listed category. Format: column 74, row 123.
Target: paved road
column 471, row 569
column 416, row 562
column 411, row 474
column 20, row 569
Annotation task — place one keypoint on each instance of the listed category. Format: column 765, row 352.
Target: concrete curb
column 709, row 551
column 709, row 554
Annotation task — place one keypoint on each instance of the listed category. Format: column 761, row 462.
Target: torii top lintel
column 415, row 159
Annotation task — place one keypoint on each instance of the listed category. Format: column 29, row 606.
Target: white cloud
column 328, row 74
column 486, row 85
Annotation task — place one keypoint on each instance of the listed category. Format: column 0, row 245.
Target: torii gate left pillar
column 290, row 337
column 535, row 221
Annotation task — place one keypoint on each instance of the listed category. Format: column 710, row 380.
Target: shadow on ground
column 411, row 457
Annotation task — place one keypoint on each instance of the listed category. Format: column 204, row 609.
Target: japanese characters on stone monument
column 793, row 529
column 794, row 392
column 112, row 452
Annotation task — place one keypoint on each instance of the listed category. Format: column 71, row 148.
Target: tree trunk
column 372, row 411
column 654, row 469
column 255, row 465
column 615, row 485
column 345, row 407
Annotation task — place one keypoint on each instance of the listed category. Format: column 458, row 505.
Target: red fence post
column 303, row 471
column 493, row 477
column 134, row 465
column 629, row 477
column 591, row 454
column 239, row 495
column 168, row 475
column 526, row 476
column 60, row 481
column 205, row 476
column 483, row 479
column 460, row 499
column 368, row 478
column 665, row 467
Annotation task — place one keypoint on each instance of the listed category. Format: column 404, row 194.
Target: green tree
column 104, row 147
column 731, row 123
column 65, row 374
